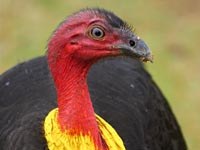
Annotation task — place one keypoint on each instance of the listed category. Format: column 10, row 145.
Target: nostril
column 132, row 43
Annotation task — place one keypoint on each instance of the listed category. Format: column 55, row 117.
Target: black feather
column 122, row 92
column 109, row 16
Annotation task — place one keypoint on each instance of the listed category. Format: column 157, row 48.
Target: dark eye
column 132, row 43
column 97, row 33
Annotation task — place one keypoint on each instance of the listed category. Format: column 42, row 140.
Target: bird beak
column 138, row 50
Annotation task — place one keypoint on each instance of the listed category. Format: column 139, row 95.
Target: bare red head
column 91, row 34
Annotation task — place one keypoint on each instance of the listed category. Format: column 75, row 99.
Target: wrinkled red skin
column 71, row 52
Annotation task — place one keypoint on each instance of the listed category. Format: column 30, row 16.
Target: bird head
column 78, row 42
column 92, row 34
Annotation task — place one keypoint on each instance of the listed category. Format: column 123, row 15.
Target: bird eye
column 132, row 43
column 97, row 33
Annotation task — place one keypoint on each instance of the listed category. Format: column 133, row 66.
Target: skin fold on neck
column 74, row 121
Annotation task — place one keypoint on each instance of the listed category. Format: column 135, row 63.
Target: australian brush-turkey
column 126, row 109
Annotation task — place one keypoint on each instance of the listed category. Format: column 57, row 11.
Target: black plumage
column 123, row 93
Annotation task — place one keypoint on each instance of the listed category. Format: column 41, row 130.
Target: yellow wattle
column 59, row 140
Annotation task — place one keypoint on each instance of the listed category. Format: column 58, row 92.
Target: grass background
column 171, row 29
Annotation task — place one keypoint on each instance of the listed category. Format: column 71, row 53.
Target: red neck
column 75, row 107
column 76, row 113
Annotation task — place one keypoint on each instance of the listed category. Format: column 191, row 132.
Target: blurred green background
column 171, row 29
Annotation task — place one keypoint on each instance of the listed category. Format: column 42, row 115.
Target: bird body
column 122, row 93
column 55, row 111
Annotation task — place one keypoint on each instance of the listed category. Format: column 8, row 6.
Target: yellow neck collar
column 59, row 140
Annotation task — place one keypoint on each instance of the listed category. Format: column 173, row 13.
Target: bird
column 89, row 92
